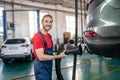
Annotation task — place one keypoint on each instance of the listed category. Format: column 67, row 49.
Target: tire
column 5, row 61
column 32, row 54
column 80, row 50
column 29, row 57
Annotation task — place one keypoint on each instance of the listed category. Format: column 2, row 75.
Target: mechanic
column 43, row 50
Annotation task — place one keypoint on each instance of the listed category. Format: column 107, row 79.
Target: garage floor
column 89, row 67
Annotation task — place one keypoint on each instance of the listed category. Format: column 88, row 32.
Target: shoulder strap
column 45, row 43
column 51, row 39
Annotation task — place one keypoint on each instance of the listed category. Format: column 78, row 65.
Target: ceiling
column 65, row 3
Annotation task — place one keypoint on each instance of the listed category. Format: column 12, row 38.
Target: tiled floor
column 88, row 67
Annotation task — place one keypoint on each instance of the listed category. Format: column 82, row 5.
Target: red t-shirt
column 39, row 43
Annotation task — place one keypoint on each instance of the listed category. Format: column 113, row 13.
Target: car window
column 15, row 41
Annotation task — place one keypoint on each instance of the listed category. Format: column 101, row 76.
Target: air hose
column 70, row 50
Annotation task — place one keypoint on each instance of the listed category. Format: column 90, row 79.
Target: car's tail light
column 89, row 1
column 3, row 46
column 90, row 34
column 25, row 45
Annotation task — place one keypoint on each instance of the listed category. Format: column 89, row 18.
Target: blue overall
column 43, row 69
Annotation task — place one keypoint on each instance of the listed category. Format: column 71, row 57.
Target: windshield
column 15, row 41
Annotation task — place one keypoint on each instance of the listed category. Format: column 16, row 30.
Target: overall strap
column 45, row 43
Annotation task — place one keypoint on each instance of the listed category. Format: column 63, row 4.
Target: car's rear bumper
column 13, row 56
column 105, row 50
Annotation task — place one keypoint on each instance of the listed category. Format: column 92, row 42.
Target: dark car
column 102, row 35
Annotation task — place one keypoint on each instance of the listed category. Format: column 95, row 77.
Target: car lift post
column 58, row 61
column 5, row 20
column 76, row 36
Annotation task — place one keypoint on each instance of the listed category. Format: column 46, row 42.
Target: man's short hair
column 47, row 15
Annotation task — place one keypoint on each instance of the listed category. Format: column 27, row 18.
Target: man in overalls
column 43, row 50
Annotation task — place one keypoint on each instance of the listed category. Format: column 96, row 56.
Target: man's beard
column 47, row 28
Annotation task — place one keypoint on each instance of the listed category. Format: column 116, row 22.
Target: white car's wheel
column 6, row 61
column 29, row 57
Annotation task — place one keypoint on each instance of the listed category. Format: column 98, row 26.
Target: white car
column 16, row 48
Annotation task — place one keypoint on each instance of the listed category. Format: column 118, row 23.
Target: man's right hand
column 62, row 54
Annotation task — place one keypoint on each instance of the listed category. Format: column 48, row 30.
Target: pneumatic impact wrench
column 69, row 50
column 74, row 50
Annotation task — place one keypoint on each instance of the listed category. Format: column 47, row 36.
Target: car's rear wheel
column 6, row 61
column 32, row 54
column 29, row 57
